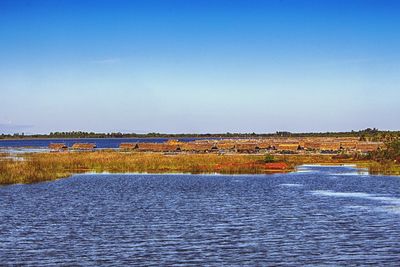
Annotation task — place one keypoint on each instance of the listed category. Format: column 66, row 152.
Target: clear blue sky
column 199, row 66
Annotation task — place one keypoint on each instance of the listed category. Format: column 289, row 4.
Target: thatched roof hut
column 246, row 148
column 157, row 147
column 83, row 146
column 198, row 147
column 312, row 145
column 225, row 145
column 57, row 146
column 369, row 146
column 128, row 146
column 322, row 146
column 329, row 146
column 265, row 145
column 174, row 142
column 287, row 146
column 348, row 144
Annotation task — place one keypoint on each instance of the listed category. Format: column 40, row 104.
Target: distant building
column 157, row 147
column 287, row 146
column 57, row 147
column 348, row 145
column 226, row 146
column 246, row 148
column 128, row 146
column 329, row 146
column 365, row 147
column 83, row 146
column 198, row 147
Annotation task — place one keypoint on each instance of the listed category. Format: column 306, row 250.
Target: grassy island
column 37, row 167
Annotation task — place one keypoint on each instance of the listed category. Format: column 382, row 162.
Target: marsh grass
column 389, row 168
column 374, row 167
column 37, row 167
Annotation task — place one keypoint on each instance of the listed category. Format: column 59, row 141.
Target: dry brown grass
column 38, row 167
column 389, row 168
column 298, row 159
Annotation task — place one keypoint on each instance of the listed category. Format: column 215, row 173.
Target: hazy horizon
column 187, row 133
column 199, row 66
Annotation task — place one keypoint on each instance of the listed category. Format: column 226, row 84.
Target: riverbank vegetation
column 37, row 167
column 386, row 160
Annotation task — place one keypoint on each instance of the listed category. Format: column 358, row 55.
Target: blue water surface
column 316, row 216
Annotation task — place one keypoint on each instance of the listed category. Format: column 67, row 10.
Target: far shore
column 99, row 138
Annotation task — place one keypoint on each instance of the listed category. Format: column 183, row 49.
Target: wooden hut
column 157, row 147
column 128, row 146
column 312, row 145
column 287, row 146
column 198, row 147
column 369, row 146
column 265, row 145
column 329, row 146
column 174, row 142
column 322, row 146
column 348, row 144
column 225, row 146
column 57, row 146
column 83, row 146
column 246, row 148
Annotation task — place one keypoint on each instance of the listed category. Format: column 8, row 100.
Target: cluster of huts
column 76, row 146
column 288, row 146
column 278, row 145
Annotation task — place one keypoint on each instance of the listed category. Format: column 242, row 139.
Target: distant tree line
column 363, row 135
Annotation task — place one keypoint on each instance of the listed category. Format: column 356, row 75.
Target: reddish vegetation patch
column 234, row 164
column 259, row 166
column 276, row 166
column 398, row 159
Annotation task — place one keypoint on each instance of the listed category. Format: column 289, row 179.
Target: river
column 315, row 216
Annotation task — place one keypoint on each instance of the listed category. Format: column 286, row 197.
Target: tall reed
column 36, row 167
column 48, row 166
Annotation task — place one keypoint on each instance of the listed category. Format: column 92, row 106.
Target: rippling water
column 317, row 216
